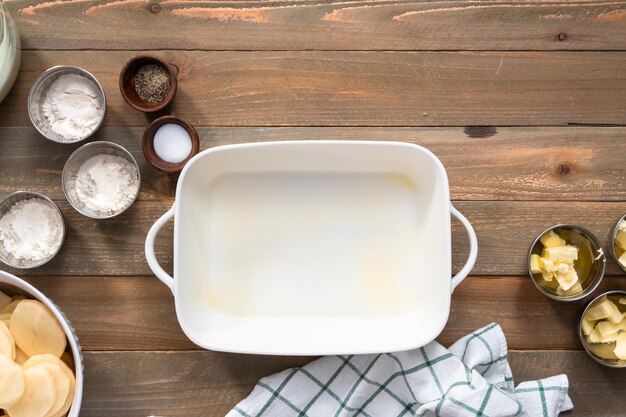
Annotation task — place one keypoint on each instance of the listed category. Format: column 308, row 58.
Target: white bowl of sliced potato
column 41, row 367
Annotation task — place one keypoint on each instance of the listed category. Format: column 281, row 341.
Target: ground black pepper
column 152, row 83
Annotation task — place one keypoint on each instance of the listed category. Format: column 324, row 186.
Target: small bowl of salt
column 32, row 230
column 66, row 104
column 101, row 180
column 169, row 142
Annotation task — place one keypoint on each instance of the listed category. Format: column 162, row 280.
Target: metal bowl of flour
column 5, row 207
column 37, row 97
column 71, row 173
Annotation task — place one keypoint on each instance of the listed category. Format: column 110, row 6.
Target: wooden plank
column 137, row 313
column 532, row 163
column 206, row 384
column 362, row 88
column 505, row 230
column 315, row 25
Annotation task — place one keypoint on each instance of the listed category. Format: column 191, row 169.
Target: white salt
column 172, row 143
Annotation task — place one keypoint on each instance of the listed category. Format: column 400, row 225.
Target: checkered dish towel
column 471, row 378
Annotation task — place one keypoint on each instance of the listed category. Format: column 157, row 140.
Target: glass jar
column 10, row 52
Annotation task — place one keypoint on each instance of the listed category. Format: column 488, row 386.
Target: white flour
column 32, row 230
column 107, row 184
column 72, row 107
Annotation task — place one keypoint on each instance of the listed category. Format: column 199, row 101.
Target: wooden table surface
column 525, row 105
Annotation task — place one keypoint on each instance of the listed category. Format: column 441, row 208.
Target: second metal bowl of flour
column 76, row 160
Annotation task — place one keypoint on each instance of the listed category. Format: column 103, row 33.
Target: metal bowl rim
column 580, row 330
column 591, row 288
column 612, row 242
column 74, row 154
column 45, row 75
column 35, row 194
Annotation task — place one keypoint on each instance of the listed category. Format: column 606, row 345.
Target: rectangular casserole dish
column 312, row 247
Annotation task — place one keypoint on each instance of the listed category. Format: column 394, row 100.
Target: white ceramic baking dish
column 312, row 247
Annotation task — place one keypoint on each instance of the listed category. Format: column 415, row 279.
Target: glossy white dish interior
column 312, row 247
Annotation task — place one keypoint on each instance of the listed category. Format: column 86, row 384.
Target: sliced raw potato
column 567, row 279
column 62, row 386
column 551, row 239
column 4, row 300
column 39, row 394
column 10, row 308
column 7, row 344
column 587, row 326
column 620, row 346
column 11, row 382
column 534, row 264
column 20, row 356
column 36, row 330
column 38, row 360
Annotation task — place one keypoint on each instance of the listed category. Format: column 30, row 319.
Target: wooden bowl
column 127, row 83
column 148, row 144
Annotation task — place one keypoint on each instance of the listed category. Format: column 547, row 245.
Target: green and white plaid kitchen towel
column 471, row 378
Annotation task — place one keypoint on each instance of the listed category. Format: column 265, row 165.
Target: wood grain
column 137, row 313
column 207, row 384
column 391, row 89
column 322, row 25
column 532, row 163
column 505, row 231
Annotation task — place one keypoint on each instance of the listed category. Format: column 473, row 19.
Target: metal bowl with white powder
column 101, row 179
column 66, row 104
column 32, row 230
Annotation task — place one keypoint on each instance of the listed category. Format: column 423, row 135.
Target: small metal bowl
column 616, row 251
column 585, row 240
column 148, row 144
column 12, row 285
column 76, row 160
column 127, row 83
column 593, row 349
column 5, row 206
column 37, row 96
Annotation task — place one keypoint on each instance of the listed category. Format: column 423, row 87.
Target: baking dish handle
column 151, row 257
column 471, row 259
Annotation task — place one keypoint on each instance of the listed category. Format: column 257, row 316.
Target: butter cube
column 609, row 338
column 577, row 288
column 622, row 300
column 616, row 316
column 603, row 309
column 547, row 265
column 606, row 328
column 622, row 259
column 620, row 239
column 567, row 279
column 587, row 326
column 535, row 268
column 594, row 337
column 551, row 239
column 566, row 254
column 620, row 346
column 547, row 275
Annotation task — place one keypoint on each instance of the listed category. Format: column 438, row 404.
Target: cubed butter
column 535, row 268
column 587, row 326
column 551, row 239
column 622, row 259
column 601, row 310
column 620, row 346
column 547, row 265
column 594, row 337
column 620, row 239
column 566, row 254
column 622, row 300
column 547, row 275
column 577, row 288
column 606, row 328
column 567, row 279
